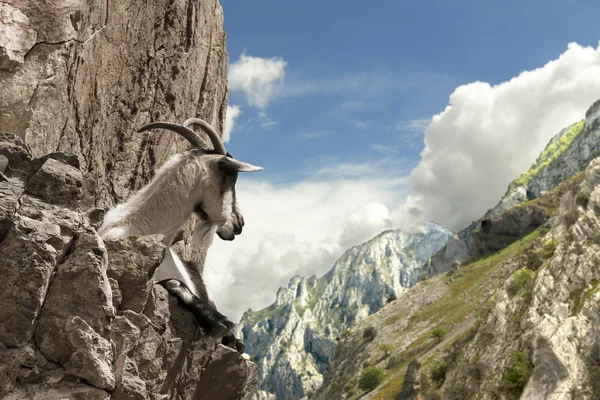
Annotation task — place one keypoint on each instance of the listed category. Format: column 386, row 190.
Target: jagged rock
column 56, row 183
column 74, row 104
column 224, row 368
column 18, row 36
column 85, row 270
column 294, row 339
column 499, row 231
column 88, row 342
column 411, row 383
column 133, row 270
column 92, row 355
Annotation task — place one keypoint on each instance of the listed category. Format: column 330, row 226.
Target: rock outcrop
column 80, row 318
column 521, row 323
column 295, row 338
column 81, row 76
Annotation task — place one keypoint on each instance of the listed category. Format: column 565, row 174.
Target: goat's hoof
column 232, row 342
column 240, row 346
column 217, row 331
column 172, row 285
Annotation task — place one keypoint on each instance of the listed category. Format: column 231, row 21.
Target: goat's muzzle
column 226, row 236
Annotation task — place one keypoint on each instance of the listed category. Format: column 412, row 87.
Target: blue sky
column 380, row 115
column 405, row 59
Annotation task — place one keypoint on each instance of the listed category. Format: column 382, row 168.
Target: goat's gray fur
column 195, row 180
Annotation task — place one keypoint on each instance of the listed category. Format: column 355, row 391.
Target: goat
column 199, row 179
column 202, row 181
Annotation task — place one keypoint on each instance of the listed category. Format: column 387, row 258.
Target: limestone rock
column 56, row 183
column 17, row 36
column 134, row 269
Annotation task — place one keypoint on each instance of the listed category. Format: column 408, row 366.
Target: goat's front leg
column 214, row 323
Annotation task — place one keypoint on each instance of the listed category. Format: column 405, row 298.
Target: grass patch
column 581, row 296
column 452, row 308
column 521, row 279
column 462, row 301
column 550, row 154
column 549, row 248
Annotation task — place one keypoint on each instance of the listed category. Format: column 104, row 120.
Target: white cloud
column 364, row 223
column 260, row 79
column 415, row 125
column 292, row 229
column 383, row 148
column 233, row 112
column 489, row 135
column 310, row 135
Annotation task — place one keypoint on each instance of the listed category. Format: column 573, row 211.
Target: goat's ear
column 231, row 165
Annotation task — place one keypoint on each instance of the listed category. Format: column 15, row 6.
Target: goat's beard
column 203, row 234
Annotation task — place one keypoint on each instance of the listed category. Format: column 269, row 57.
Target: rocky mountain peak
column 294, row 339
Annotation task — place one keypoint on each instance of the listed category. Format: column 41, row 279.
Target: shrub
column 534, row 259
column 438, row 372
column 570, row 217
column 370, row 378
column 386, row 348
column 582, row 199
column 521, row 278
column 519, row 370
column 549, row 248
column 438, row 333
column 346, row 333
column 369, row 333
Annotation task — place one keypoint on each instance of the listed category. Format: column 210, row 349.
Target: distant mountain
column 294, row 339
column 522, row 322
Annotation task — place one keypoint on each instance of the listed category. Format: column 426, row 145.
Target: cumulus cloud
column 293, row 229
column 233, row 112
column 489, row 134
column 260, row 79
column 364, row 223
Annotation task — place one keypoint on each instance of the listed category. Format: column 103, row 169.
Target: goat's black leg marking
column 204, row 313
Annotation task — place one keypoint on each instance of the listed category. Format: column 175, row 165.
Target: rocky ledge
column 80, row 318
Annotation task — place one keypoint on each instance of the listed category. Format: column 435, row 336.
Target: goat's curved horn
column 210, row 131
column 186, row 132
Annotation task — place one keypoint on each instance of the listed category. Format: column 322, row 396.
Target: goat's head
column 220, row 203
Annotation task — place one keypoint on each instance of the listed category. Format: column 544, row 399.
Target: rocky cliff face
column 566, row 154
column 294, row 339
column 81, row 76
column 522, row 322
column 81, row 318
